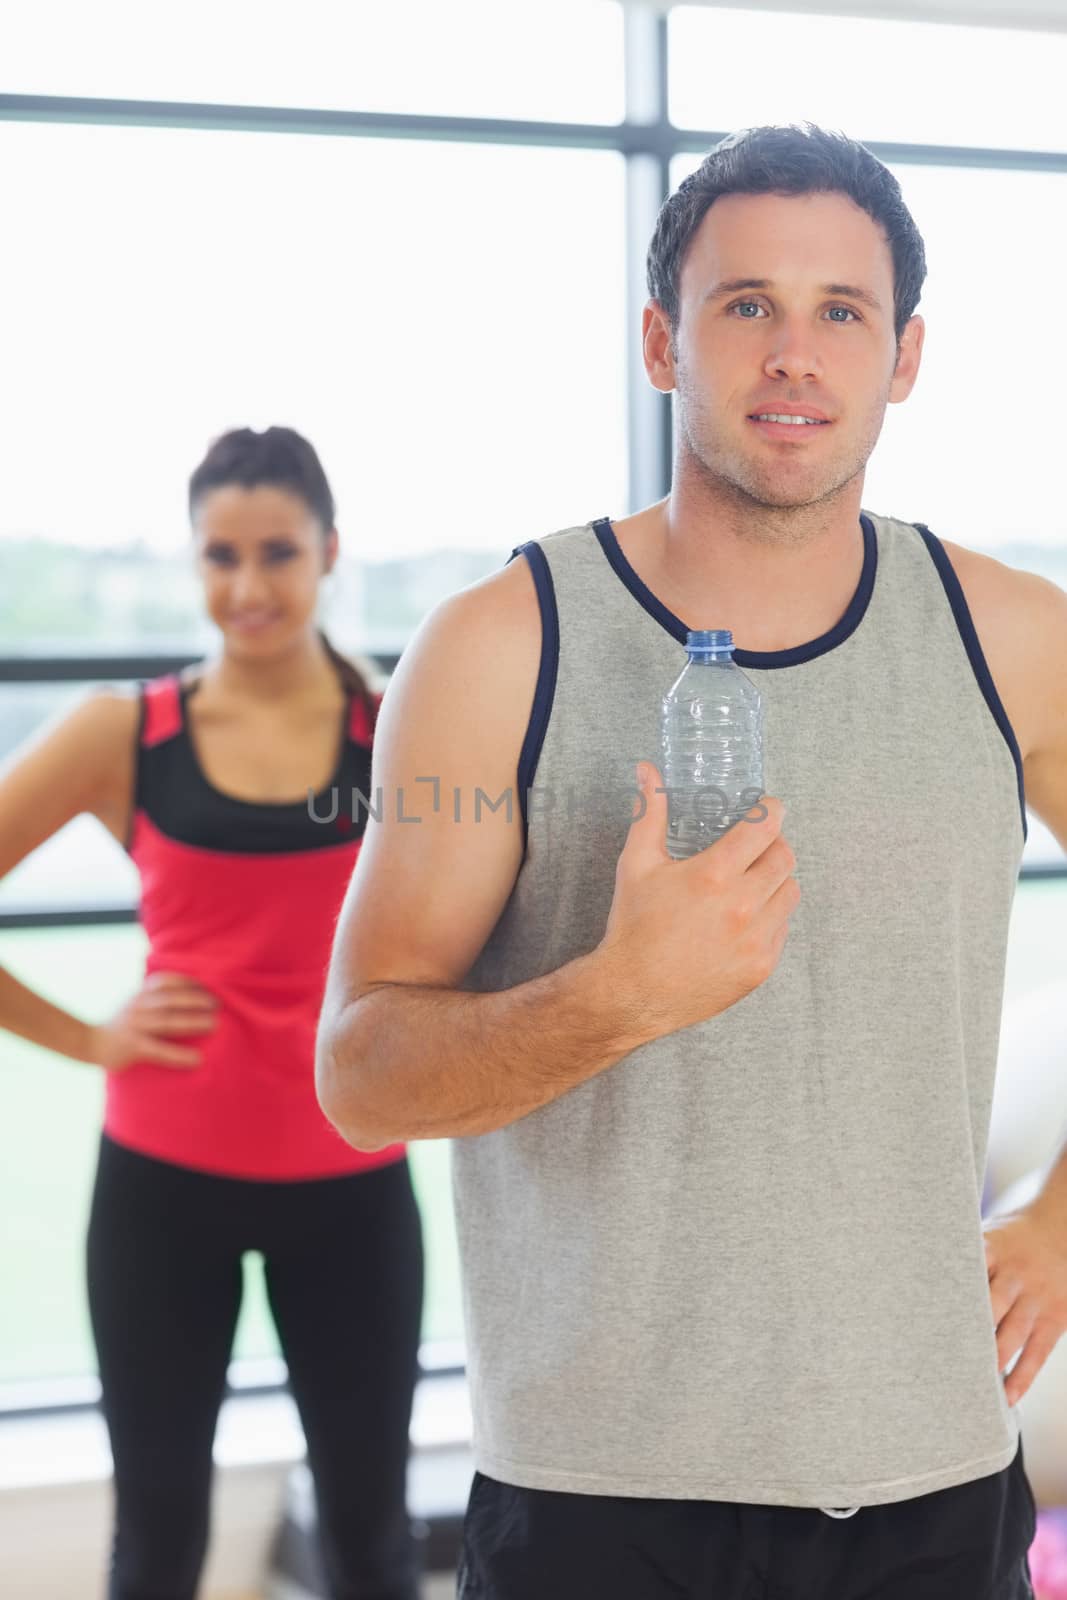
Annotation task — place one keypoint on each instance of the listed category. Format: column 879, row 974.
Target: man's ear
column 908, row 358
column 657, row 345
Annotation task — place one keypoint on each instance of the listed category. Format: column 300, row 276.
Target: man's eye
column 738, row 304
column 219, row 558
column 280, row 552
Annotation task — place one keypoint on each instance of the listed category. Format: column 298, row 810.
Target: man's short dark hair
column 788, row 160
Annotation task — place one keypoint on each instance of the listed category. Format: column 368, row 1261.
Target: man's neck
column 777, row 577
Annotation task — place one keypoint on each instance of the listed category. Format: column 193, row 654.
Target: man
column 733, row 1326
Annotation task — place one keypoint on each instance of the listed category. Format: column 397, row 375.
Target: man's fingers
column 1038, row 1348
column 1013, row 1332
column 739, row 846
column 746, row 841
column 1004, row 1290
column 647, row 838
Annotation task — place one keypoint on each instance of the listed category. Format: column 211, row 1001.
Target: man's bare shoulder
column 468, row 675
column 1002, row 591
column 499, row 614
column 1021, row 622
column 511, row 586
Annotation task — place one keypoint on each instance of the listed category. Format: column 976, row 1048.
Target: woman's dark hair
column 284, row 459
column 788, row 160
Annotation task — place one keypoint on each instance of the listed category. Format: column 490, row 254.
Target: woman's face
column 261, row 554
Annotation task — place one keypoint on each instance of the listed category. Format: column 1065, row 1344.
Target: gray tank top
column 746, row 1262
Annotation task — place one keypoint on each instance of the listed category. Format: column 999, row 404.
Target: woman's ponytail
column 354, row 681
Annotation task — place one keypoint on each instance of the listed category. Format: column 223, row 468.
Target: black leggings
column 344, row 1275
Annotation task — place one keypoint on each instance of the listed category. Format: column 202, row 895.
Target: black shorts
column 965, row 1543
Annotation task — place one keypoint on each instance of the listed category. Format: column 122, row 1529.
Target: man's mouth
column 789, row 420
column 785, row 428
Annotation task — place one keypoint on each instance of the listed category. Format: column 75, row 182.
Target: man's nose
column 793, row 353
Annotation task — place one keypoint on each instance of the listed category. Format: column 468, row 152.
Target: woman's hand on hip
column 167, row 1009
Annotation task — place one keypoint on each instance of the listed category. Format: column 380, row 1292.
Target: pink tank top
column 244, row 898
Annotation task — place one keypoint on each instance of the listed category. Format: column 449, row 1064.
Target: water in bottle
column 712, row 745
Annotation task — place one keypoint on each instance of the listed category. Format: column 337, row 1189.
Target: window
column 560, row 60
column 445, row 322
column 48, row 1141
column 916, row 82
column 448, row 323
column 49, row 1133
column 183, row 282
column 974, row 452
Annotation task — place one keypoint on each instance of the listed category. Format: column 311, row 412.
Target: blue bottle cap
column 708, row 639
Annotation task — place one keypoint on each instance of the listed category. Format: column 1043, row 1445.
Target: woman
column 219, row 784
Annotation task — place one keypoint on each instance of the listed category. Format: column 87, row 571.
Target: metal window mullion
column 86, row 917
column 222, row 118
column 648, row 413
column 119, row 669
column 689, row 141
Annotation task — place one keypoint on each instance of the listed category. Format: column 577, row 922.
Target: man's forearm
column 411, row 1062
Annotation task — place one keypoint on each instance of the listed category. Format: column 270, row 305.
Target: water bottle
column 712, row 745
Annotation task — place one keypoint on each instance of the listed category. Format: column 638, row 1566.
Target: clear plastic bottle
column 712, row 726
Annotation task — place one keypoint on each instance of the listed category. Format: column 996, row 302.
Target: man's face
column 786, row 302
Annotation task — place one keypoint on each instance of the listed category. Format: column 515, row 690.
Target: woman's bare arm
column 81, row 763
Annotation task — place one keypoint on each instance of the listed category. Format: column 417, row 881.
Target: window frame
column 648, row 141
